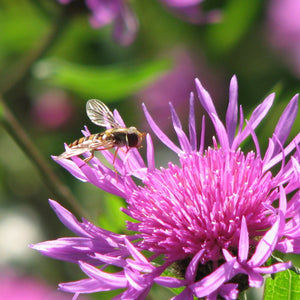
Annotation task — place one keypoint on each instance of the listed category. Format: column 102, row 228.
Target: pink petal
column 183, row 140
column 159, row 133
column 266, row 246
column 213, row 281
column 286, row 122
column 244, row 242
column 192, row 124
column 205, row 98
column 232, row 110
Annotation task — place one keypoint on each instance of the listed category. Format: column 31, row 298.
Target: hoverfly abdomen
column 86, row 140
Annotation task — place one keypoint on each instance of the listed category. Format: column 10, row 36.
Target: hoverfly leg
column 115, row 156
column 86, row 160
column 126, row 151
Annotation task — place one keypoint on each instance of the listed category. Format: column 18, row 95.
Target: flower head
column 213, row 219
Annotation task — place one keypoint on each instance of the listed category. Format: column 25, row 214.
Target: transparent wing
column 85, row 147
column 100, row 114
column 72, row 152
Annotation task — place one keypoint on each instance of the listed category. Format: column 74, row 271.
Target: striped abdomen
column 90, row 138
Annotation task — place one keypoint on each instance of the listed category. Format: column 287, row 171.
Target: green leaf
column 237, row 18
column 113, row 218
column 243, row 296
column 104, row 82
column 285, row 285
column 21, row 26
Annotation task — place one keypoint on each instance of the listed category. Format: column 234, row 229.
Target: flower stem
column 11, row 82
column 58, row 188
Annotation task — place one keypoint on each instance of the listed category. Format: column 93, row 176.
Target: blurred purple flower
column 190, row 10
column 16, row 287
column 119, row 13
column 214, row 218
column 52, row 109
column 174, row 85
column 284, row 30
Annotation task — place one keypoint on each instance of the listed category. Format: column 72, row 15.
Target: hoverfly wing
column 72, row 152
column 100, row 114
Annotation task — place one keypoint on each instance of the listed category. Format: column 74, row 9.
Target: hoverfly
column 117, row 136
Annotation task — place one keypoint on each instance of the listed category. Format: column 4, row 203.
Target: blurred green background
column 52, row 61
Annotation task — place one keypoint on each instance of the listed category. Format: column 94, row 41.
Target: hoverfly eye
column 132, row 139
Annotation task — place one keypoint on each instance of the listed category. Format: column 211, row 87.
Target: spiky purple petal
column 286, row 122
column 232, row 110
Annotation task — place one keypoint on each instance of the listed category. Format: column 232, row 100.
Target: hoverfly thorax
column 117, row 136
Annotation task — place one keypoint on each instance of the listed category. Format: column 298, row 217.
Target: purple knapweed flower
column 52, row 110
column 15, row 286
column 284, row 31
column 212, row 221
column 125, row 23
column 118, row 12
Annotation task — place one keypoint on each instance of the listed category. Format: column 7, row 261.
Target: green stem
column 55, row 185
column 11, row 81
